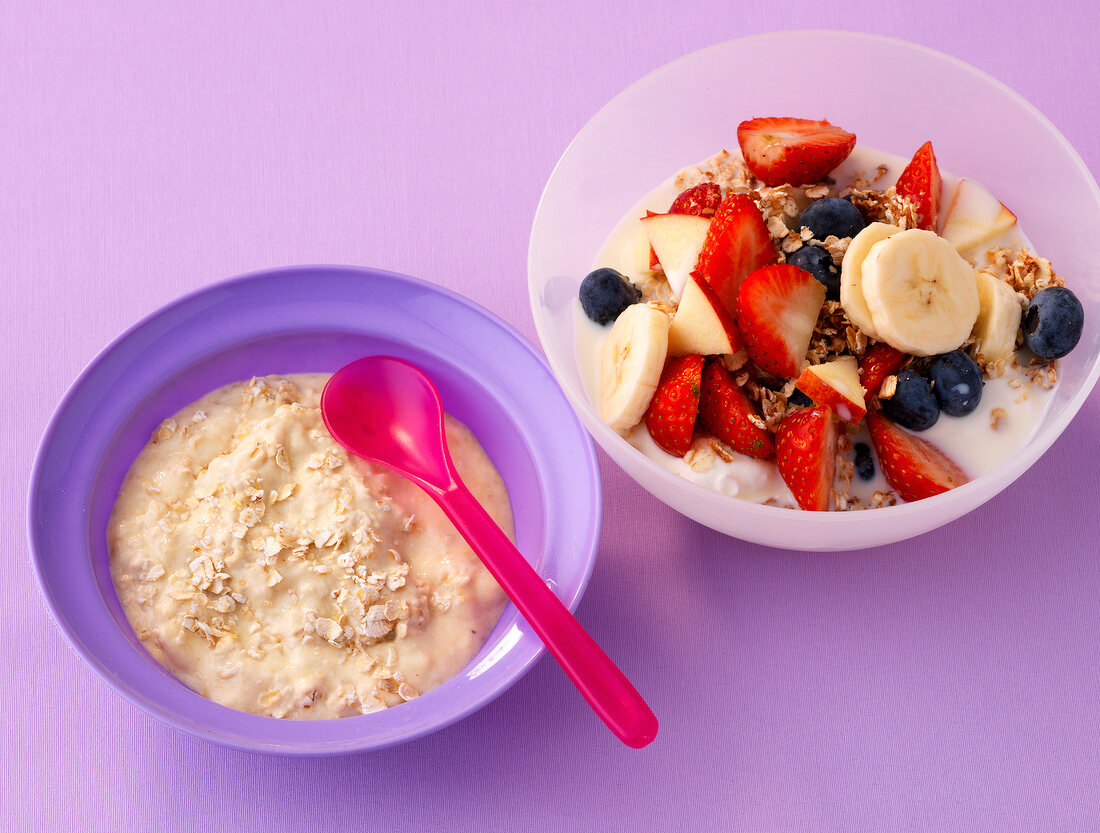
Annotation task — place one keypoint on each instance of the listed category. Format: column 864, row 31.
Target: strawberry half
column 777, row 309
column 737, row 243
column 880, row 360
column 914, row 467
column 920, row 182
column 805, row 452
column 675, row 404
column 725, row 410
column 792, row 151
column 702, row 200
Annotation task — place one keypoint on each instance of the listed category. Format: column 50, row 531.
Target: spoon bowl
column 388, row 411
column 384, row 409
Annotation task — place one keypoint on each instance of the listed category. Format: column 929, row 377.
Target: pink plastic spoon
column 387, row 411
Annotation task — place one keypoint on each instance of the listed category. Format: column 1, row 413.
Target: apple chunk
column 701, row 324
column 836, row 384
column 677, row 240
column 974, row 216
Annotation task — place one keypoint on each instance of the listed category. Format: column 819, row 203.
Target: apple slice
column 974, row 216
column 701, row 324
column 836, row 384
column 677, row 240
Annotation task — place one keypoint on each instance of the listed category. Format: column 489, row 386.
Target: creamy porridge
column 274, row 574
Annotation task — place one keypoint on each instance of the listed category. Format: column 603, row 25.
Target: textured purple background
column 951, row 682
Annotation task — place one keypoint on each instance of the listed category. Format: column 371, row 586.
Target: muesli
column 801, row 324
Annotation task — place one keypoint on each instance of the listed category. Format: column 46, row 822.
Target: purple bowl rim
column 308, row 749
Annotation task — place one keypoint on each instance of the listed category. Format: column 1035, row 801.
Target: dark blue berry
column 832, row 215
column 605, row 294
column 798, row 399
column 819, row 263
column 913, row 404
column 957, row 382
column 1053, row 322
column 865, row 466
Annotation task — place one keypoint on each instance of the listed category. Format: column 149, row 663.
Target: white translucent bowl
column 690, row 108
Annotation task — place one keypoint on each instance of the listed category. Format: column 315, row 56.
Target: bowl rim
column 361, row 742
column 692, row 492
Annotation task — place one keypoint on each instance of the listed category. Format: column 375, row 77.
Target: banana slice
column 851, row 275
column 998, row 318
column 921, row 294
column 631, row 363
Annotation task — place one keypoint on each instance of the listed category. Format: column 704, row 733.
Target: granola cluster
column 1023, row 271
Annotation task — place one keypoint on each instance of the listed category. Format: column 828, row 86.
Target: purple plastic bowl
column 303, row 319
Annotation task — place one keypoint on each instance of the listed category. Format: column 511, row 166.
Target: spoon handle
column 599, row 680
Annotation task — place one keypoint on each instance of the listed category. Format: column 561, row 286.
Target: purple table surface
column 948, row 683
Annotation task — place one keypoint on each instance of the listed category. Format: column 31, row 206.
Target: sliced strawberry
column 702, row 200
column 914, row 467
column 675, row 404
column 880, row 360
column 737, row 243
column 805, row 452
column 777, row 309
column 792, row 151
column 920, row 182
column 725, row 411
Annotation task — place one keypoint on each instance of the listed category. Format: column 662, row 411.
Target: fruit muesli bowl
column 685, row 114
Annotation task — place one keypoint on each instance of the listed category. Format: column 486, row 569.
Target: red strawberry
column 725, row 411
column 777, row 309
column 914, row 467
column 702, row 200
column 805, row 451
column 792, row 151
column 737, row 243
column 675, row 404
column 920, row 181
column 880, row 360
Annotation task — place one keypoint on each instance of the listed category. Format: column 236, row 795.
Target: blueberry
column 865, row 466
column 605, row 294
column 818, row 263
column 832, row 215
column 798, row 399
column 913, row 404
column 957, row 382
column 1053, row 322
